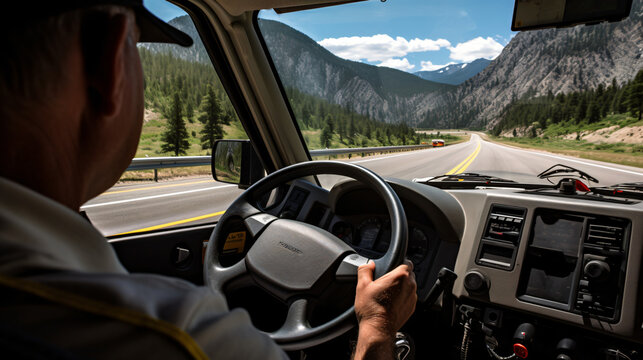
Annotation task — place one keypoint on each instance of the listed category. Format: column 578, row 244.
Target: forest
column 181, row 91
column 575, row 108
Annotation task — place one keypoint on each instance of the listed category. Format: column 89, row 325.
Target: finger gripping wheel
column 294, row 261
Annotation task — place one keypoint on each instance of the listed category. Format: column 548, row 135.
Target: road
column 140, row 207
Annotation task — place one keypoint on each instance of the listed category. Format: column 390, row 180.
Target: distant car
column 438, row 142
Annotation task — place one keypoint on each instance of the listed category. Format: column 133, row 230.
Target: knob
column 523, row 339
column 597, row 270
column 476, row 282
column 566, row 349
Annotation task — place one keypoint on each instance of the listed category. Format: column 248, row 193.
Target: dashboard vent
column 505, row 224
column 605, row 235
column 501, row 237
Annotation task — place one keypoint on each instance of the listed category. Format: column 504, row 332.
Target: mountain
column 455, row 74
column 194, row 53
column 384, row 94
column 535, row 63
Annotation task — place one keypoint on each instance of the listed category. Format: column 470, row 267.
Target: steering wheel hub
column 295, row 257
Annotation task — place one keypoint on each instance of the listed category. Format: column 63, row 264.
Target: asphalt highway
column 131, row 208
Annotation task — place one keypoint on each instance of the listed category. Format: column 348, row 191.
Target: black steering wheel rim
column 296, row 335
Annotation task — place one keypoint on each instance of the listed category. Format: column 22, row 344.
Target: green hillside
column 577, row 111
column 323, row 124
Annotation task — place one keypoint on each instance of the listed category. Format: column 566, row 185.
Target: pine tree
column 175, row 138
column 189, row 112
column 325, row 137
column 635, row 96
column 581, row 110
column 330, row 123
column 593, row 112
column 211, row 118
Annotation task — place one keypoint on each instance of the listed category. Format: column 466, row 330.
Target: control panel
column 575, row 262
column 603, row 267
column 501, row 237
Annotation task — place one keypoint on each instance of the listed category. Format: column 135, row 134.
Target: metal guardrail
column 367, row 150
column 149, row 163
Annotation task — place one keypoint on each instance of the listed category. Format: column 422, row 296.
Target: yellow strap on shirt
column 98, row 308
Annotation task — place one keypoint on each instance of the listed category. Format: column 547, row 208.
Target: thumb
column 365, row 272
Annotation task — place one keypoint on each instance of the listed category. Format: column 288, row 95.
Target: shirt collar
column 39, row 234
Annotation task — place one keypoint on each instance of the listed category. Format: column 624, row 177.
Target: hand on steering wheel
column 294, row 261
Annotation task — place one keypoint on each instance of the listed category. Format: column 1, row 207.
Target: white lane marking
column 573, row 160
column 154, row 196
column 405, row 154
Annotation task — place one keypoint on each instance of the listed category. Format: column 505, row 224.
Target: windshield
column 452, row 84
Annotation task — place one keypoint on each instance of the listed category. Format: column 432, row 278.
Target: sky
column 409, row 35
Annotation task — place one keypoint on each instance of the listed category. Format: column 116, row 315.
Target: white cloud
column 429, row 66
column 380, row 47
column 400, row 64
column 476, row 48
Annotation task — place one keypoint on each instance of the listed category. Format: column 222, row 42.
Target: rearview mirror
column 540, row 14
column 235, row 162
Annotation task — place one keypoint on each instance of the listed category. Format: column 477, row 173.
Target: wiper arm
column 469, row 177
column 632, row 190
column 560, row 169
column 638, row 186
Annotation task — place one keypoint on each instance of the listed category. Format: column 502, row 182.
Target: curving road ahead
column 142, row 207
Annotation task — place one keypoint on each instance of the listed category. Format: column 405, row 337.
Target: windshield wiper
column 469, row 177
column 638, row 186
column 560, row 170
column 472, row 181
column 632, row 190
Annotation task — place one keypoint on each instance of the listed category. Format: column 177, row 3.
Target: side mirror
column 235, row 162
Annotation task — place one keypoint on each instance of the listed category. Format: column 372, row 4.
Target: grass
column 150, row 146
column 165, row 174
column 618, row 153
column 568, row 127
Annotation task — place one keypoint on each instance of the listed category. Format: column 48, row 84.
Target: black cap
column 152, row 28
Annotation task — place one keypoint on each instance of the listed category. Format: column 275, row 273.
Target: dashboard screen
column 543, row 285
column 556, row 233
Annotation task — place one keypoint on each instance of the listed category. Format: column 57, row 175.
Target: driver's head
column 71, row 88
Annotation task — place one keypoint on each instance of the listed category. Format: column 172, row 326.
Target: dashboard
column 518, row 254
column 572, row 261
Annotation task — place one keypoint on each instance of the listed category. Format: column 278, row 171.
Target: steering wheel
column 295, row 261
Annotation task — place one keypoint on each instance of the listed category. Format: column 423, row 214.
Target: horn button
column 294, row 257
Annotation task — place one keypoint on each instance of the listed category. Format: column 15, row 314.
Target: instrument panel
column 370, row 236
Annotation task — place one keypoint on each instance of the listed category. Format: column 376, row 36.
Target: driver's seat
column 41, row 322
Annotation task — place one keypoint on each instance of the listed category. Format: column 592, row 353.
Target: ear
column 106, row 75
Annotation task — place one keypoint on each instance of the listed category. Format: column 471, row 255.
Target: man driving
column 72, row 112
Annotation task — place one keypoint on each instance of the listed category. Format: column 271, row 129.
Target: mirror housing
column 236, row 162
column 541, row 14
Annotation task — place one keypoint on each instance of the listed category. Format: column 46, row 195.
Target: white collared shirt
column 43, row 241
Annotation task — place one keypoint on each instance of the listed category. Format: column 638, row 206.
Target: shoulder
column 197, row 310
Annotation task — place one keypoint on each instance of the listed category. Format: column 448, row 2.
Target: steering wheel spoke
column 347, row 270
column 258, row 222
column 296, row 321
column 226, row 274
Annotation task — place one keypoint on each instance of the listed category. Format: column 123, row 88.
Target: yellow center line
column 466, row 162
column 156, row 187
column 465, row 166
column 178, row 222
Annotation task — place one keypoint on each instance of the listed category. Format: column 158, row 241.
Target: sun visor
column 238, row 7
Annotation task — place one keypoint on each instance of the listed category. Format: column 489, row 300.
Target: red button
column 520, row 350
